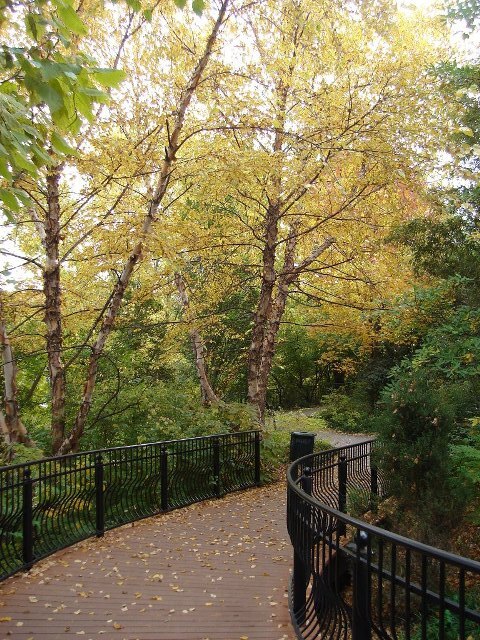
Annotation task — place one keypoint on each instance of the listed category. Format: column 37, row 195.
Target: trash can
column 301, row 444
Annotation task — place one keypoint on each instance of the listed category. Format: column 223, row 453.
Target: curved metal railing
column 53, row 503
column 355, row 580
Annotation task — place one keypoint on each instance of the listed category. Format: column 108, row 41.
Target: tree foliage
column 236, row 192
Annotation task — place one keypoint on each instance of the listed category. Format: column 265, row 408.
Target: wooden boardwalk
column 217, row 570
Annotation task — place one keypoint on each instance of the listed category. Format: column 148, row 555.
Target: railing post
column 373, row 485
column 361, row 627
column 99, row 497
column 301, row 575
column 257, row 459
column 27, row 519
column 299, row 591
column 216, row 468
column 164, row 478
column 307, row 481
column 342, row 491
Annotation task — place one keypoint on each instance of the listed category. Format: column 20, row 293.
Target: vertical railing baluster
column 216, row 468
column 257, row 459
column 373, row 486
column 379, row 597
column 393, row 573
column 369, row 578
column 407, row 593
column 99, row 497
column 342, row 491
column 424, row 606
column 461, row 603
column 164, row 478
column 361, row 628
column 300, row 571
column 441, row 609
column 27, row 518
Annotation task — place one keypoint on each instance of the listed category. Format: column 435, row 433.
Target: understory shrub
column 419, row 416
column 169, row 411
column 465, row 457
column 452, row 622
column 295, row 421
column 346, row 413
column 18, row 453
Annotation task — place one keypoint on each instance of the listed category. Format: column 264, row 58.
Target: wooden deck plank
column 217, row 570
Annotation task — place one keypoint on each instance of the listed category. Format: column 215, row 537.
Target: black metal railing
column 52, row 503
column 355, row 580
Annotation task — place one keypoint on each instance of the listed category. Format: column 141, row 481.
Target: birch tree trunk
column 275, row 286
column 288, row 275
column 272, row 219
column 4, row 429
column 273, row 216
column 208, row 394
column 263, row 306
column 71, row 442
column 53, row 313
column 277, row 309
column 13, row 430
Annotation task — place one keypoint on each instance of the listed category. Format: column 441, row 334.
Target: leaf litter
column 238, row 543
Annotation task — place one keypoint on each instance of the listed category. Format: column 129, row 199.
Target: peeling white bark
column 13, row 428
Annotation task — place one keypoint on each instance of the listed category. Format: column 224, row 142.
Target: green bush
column 465, row 457
column 359, row 501
column 295, row 421
column 345, row 413
column 235, row 416
column 452, row 623
column 415, row 426
column 18, row 453
column 168, row 411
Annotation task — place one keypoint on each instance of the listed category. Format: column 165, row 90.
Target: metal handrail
column 411, row 590
column 111, row 449
column 49, row 504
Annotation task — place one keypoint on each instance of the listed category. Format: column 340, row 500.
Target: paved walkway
column 338, row 439
column 335, row 438
column 217, row 570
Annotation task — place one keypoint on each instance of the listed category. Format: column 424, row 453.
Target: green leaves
column 70, row 19
column 9, row 199
column 109, row 77
column 20, row 141
column 12, row 200
column 35, row 26
column 60, row 145
column 49, row 93
column 59, row 87
column 198, row 6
